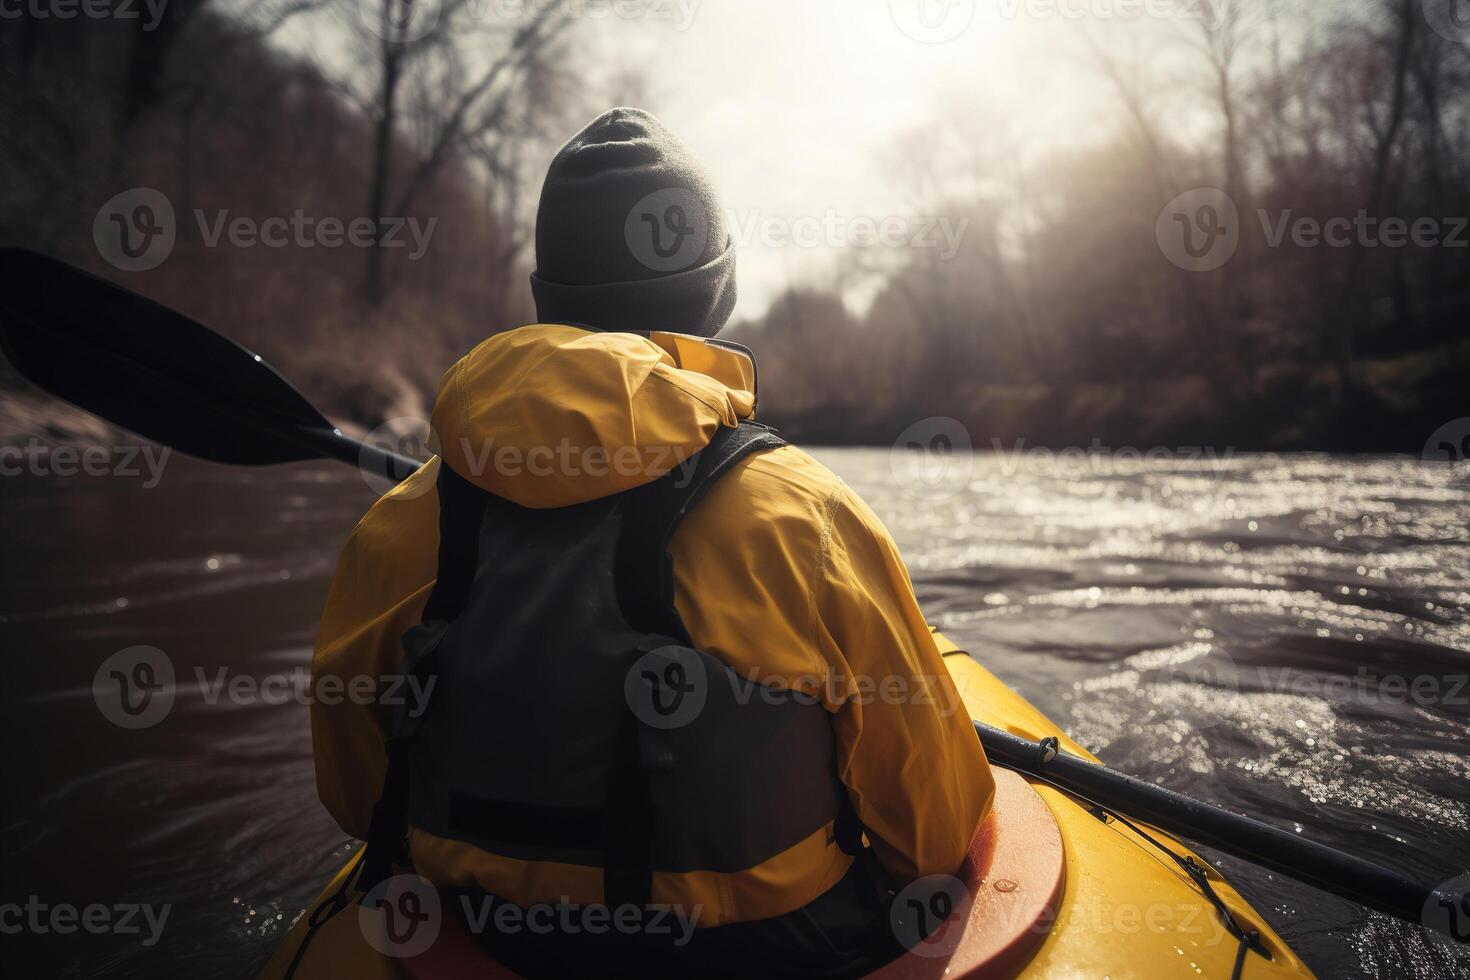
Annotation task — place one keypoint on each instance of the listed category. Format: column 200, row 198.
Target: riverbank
column 1399, row 403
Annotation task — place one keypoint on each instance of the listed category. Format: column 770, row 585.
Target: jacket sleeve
column 907, row 750
column 383, row 580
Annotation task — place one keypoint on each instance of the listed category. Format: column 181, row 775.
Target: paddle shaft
column 1260, row 843
column 333, row 444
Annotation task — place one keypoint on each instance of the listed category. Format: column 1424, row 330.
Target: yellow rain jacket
column 781, row 571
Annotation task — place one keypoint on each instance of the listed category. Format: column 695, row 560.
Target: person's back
column 564, row 447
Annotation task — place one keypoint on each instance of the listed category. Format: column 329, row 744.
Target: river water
column 1285, row 636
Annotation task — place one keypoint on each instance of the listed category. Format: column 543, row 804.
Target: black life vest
column 573, row 720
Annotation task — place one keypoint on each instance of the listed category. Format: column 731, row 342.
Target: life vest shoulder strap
column 651, row 515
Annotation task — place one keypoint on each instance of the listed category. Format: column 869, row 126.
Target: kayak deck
column 1125, row 907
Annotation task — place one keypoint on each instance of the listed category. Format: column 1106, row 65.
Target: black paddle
column 156, row 372
column 162, row 375
column 1327, row 868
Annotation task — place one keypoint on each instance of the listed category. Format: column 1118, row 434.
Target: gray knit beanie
column 630, row 234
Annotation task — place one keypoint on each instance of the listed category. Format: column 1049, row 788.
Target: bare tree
column 1219, row 35
column 1122, row 74
column 510, row 153
column 1384, row 120
column 461, row 72
column 147, row 81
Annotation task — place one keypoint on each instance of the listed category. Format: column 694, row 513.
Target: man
column 610, row 533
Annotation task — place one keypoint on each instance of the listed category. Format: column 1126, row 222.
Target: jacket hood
column 551, row 415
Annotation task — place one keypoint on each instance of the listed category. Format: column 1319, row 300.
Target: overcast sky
column 792, row 104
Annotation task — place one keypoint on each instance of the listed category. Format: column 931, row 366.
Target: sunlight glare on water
column 1288, row 636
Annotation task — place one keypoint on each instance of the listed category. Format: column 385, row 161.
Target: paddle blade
column 146, row 367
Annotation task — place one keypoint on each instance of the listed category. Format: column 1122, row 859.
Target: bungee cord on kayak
column 1249, row 939
column 323, row 913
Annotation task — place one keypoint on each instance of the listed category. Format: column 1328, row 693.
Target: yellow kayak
column 1110, row 904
